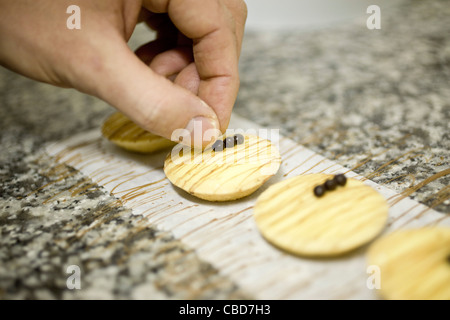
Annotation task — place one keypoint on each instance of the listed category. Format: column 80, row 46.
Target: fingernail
column 202, row 131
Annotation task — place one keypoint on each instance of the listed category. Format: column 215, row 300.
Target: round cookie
column 414, row 264
column 291, row 217
column 123, row 132
column 225, row 175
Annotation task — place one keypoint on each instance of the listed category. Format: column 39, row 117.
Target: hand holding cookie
column 189, row 72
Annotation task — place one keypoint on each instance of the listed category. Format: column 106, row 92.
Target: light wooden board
column 225, row 234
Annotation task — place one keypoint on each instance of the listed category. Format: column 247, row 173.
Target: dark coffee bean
column 229, row 142
column 340, row 179
column 319, row 191
column 330, row 185
column 239, row 138
column 217, row 146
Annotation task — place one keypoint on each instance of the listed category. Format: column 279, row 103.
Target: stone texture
column 376, row 101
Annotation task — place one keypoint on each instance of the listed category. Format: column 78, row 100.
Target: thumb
column 152, row 101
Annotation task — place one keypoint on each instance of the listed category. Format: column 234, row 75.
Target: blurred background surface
column 307, row 14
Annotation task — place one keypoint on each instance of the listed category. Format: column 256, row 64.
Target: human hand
column 189, row 72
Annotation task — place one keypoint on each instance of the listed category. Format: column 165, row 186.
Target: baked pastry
column 221, row 173
column 124, row 133
column 291, row 216
column 414, row 264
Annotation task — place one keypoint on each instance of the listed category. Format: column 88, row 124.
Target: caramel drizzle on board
column 225, row 234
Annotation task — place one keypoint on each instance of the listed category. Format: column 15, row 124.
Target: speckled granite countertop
column 375, row 101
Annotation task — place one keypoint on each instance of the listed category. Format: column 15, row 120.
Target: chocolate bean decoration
column 319, row 191
column 340, row 179
column 229, row 142
column 218, row 145
column 239, row 139
column 330, row 185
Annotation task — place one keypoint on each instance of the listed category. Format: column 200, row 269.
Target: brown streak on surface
column 416, row 187
column 384, row 166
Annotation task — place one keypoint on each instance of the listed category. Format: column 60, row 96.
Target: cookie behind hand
column 124, row 133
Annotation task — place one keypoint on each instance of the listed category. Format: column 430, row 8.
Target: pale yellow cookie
column 223, row 175
column 291, row 217
column 123, row 132
column 414, row 264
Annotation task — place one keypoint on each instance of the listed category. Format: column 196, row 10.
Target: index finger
column 211, row 26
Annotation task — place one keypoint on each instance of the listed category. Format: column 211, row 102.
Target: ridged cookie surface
column 224, row 175
column 291, row 217
column 123, row 132
column 413, row 264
